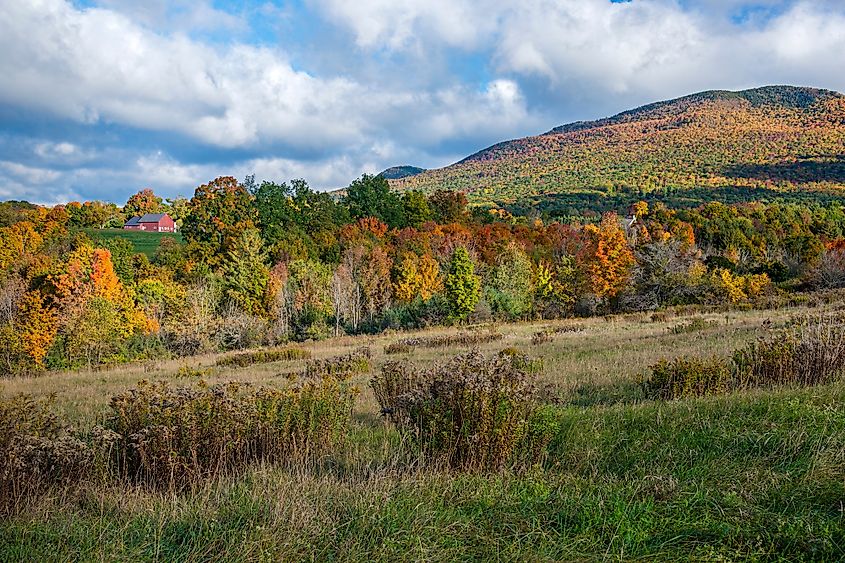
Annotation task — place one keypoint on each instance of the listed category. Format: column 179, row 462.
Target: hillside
column 773, row 138
column 398, row 172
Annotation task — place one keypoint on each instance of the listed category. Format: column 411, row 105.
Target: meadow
column 143, row 242
column 754, row 474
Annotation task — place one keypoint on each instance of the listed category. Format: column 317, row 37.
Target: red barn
column 154, row 222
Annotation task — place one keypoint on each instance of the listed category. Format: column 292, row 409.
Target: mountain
column 775, row 138
column 398, row 172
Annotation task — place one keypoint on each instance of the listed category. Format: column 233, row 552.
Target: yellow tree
column 417, row 276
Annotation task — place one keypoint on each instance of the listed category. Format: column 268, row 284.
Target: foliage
column 217, row 215
column 710, row 140
column 462, row 285
column 245, row 273
column 371, row 196
column 143, row 202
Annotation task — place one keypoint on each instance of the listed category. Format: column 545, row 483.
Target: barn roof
column 152, row 218
column 133, row 221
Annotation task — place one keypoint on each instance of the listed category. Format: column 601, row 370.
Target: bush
column 407, row 345
column 174, row 436
column 548, row 334
column 36, row 450
column 810, row 353
column 472, row 412
column 694, row 325
column 341, row 367
column 243, row 359
column 687, row 377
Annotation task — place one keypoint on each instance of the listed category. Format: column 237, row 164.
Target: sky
column 100, row 98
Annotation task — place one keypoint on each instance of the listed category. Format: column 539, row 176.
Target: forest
column 264, row 263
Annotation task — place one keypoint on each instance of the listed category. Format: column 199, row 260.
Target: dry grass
column 605, row 354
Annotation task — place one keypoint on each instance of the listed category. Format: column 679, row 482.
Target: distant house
column 154, row 222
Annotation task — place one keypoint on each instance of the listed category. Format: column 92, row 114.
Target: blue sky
column 100, row 98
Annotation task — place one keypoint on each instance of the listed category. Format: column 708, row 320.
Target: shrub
column 548, row 334
column 190, row 371
column 341, row 367
column 36, row 449
column 472, row 412
column 520, row 360
column 687, row 377
column 694, row 325
column 474, row 338
column 811, row 353
column 174, row 436
column 243, row 359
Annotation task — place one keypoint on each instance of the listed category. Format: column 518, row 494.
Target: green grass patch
column 143, row 242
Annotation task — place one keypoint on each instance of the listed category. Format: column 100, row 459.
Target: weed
column 471, row 412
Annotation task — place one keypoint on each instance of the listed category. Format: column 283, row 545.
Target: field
column 144, row 242
column 751, row 475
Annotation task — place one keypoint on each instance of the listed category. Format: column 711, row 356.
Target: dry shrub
column 694, row 325
column 548, row 334
column 341, row 367
column 688, row 377
column 471, row 412
column 174, row 436
column 473, row 338
column 810, row 353
column 521, row 361
column 244, row 359
column 37, row 450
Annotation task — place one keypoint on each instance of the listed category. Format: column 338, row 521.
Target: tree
column 245, row 273
column 462, row 285
column 605, row 258
column 510, row 288
column 371, row 196
column 143, row 202
column 416, row 208
column 217, row 215
column 448, row 206
column 417, row 277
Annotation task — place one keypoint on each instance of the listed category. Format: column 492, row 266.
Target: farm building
column 154, row 222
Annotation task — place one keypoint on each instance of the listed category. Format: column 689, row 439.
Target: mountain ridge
column 702, row 139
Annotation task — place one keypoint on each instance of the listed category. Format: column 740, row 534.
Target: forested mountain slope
column 775, row 137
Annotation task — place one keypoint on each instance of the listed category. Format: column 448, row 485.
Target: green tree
column 510, row 289
column 370, row 196
column 245, row 273
column 416, row 208
column 462, row 285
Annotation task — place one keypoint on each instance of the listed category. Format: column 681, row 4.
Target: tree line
column 265, row 263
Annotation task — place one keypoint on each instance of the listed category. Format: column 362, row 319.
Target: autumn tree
column 143, row 202
column 462, row 285
column 217, row 214
column 416, row 277
column 605, row 258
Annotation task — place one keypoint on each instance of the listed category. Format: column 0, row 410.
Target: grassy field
column 754, row 475
column 144, row 242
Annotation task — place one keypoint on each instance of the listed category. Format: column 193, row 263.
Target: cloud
column 100, row 101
